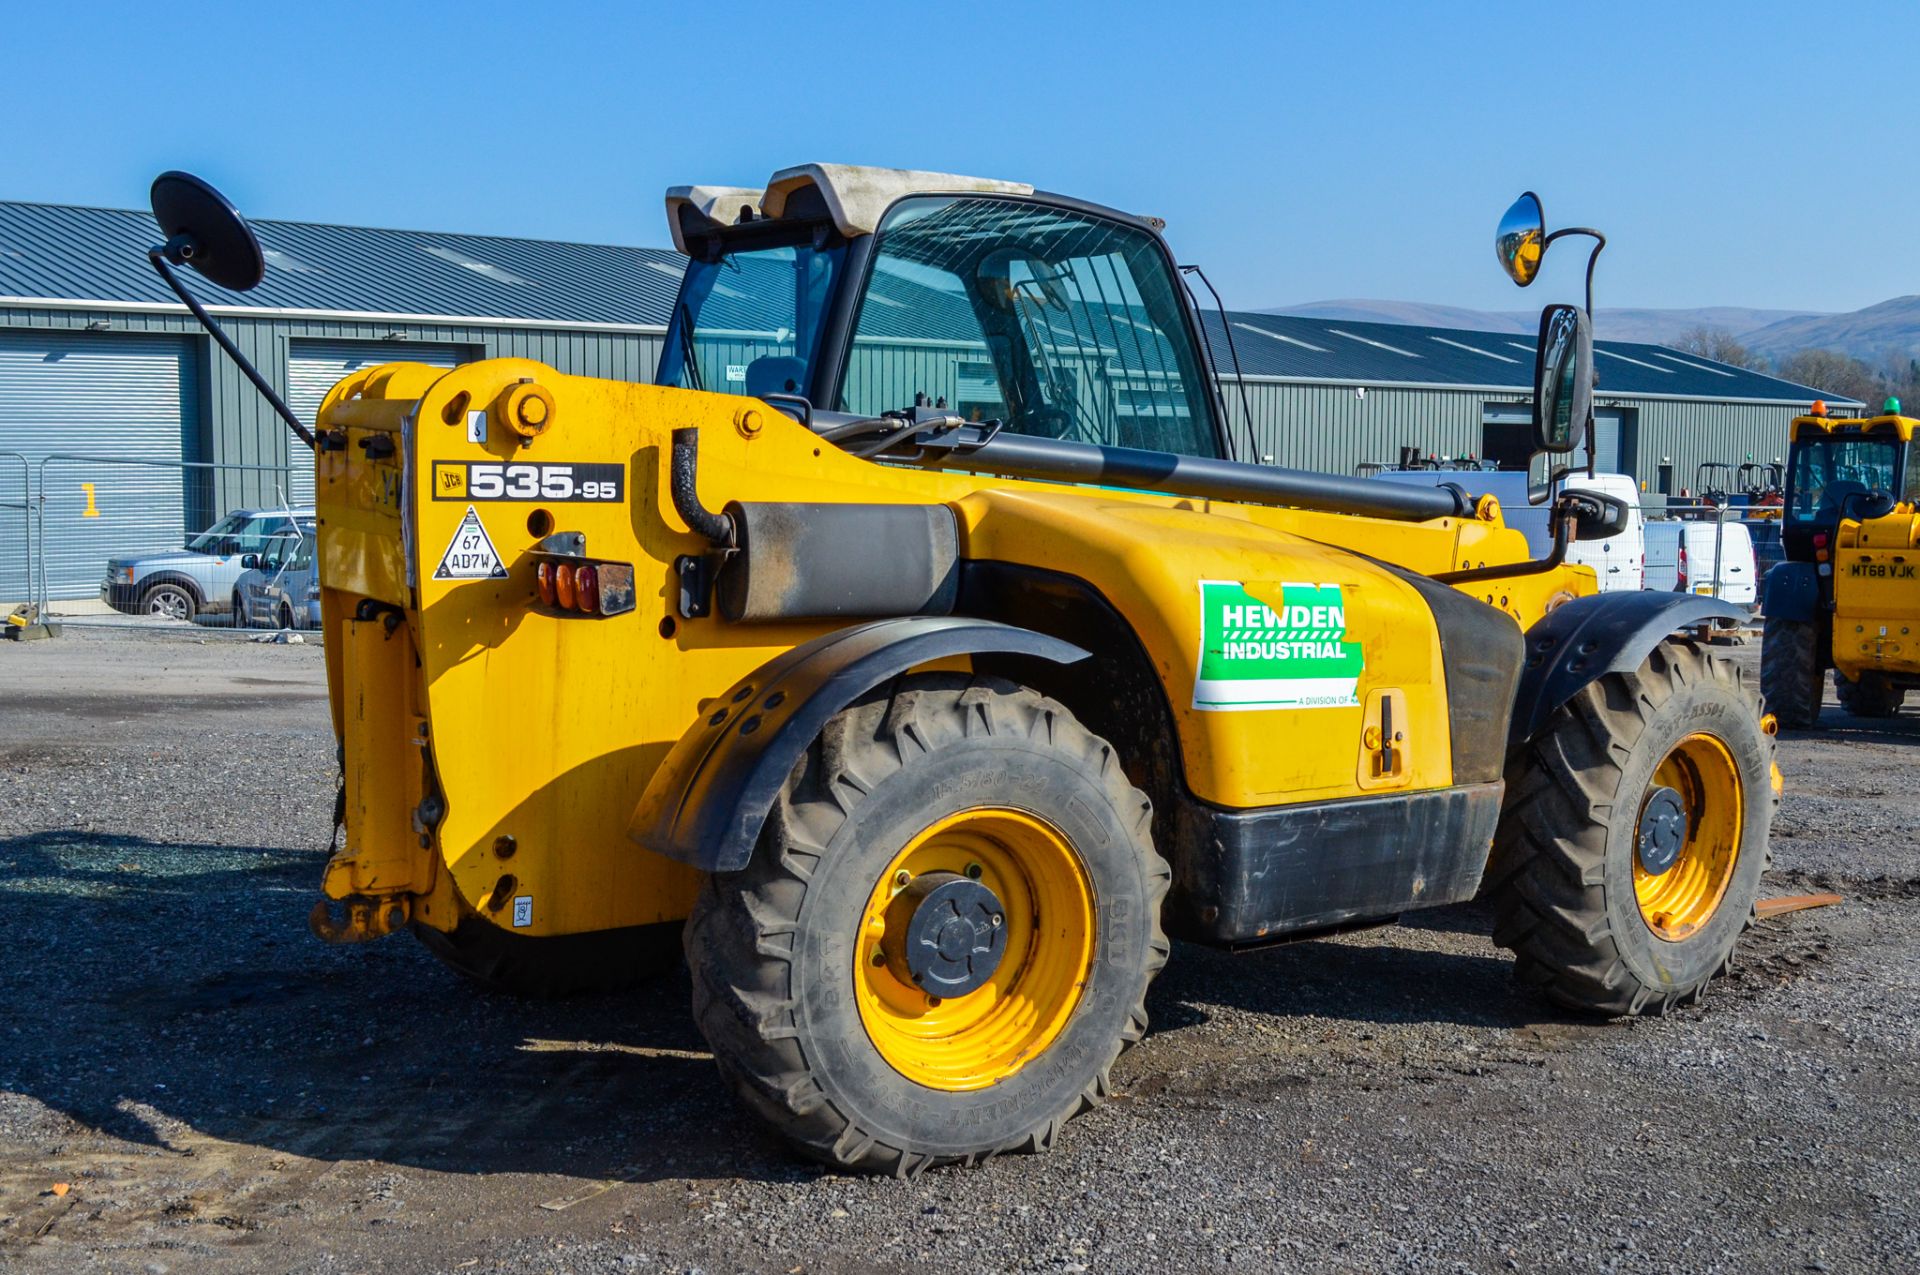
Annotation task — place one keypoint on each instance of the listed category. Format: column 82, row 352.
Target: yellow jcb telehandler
column 917, row 646
column 1847, row 597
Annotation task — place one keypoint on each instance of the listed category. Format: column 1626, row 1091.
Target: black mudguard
column 1793, row 592
column 707, row 801
column 1584, row 640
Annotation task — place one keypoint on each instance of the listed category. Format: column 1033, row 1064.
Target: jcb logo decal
column 1882, row 570
column 477, row 480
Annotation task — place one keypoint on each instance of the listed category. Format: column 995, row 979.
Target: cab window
column 1061, row 324
column 1827, row 471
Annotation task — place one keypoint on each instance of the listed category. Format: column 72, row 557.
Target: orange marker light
column 543, row 581
column 563, row 586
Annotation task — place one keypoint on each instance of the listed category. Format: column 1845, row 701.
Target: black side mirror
column 204, row 230
column 250, row 562
column 1562, row 378
column 1595, row 514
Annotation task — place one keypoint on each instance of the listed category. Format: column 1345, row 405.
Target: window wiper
column 686, row 349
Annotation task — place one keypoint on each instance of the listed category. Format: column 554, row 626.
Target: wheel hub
column 945, row 934
column 1663, row 831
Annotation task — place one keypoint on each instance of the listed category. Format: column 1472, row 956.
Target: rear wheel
column 1635, row 834
column 945, row 936
column 169, row 601
column 1871, row 695
column 1791, row 675
column 286, row 615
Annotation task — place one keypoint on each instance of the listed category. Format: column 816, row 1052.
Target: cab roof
column 1901, row 427
column 854, row 196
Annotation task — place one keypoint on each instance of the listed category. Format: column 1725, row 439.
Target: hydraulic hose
column 683, row 481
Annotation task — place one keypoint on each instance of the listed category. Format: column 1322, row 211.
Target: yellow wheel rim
column 1677, row 902
column 981, row 1038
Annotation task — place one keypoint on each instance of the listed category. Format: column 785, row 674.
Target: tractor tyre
column 548, row 968
column 945, row 935
column 1791, row 675
column 1872, row 695
column 1635, row 832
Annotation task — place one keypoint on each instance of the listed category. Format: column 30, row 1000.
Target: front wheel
column 1791, row 675
column 945, row 936
column 1635, row 833
column 169, row 601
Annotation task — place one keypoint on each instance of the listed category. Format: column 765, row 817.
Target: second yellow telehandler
column 1847, row 598
column 918, row 648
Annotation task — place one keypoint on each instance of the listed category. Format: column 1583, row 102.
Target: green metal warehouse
column 98, row 359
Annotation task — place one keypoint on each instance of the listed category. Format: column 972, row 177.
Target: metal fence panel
column 16, row 530
column 137, row 515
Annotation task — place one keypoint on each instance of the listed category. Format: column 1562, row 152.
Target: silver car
column 202, row 576
column 281, row 587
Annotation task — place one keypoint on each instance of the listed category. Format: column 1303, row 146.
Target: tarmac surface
column 190, row 1082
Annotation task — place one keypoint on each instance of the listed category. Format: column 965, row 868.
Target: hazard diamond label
column 471, row 556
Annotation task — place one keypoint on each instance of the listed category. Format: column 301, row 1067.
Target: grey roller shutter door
column 315, row 367
column 95, row 394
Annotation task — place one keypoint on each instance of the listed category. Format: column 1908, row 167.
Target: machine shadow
column 198, row 996
column 1364, row 979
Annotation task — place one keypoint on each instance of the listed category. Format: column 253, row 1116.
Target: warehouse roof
column 51, row 252
column 1288, row 348
column 55, row 252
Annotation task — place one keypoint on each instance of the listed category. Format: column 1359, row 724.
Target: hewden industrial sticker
column 549, row 482
column 471, row 555
column 1259, row 655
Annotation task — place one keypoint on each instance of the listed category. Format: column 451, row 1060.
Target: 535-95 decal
column 487, row 480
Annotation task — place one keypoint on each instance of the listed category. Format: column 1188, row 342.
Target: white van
column 1716, row 559
column 1619, row 561
column 1663, row 555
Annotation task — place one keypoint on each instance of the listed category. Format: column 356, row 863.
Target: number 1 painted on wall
column 92, row 510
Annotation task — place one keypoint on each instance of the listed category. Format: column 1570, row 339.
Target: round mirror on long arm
column 207, row 232
column 1521, row 239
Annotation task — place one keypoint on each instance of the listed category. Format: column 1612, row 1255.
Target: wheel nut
column 973, row 872
column 902, row 879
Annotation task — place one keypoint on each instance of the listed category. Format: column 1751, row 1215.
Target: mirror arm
column 1600, row 241
column 160, row 259
column 1562, row 537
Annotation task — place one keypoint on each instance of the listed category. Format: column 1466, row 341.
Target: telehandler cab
column 918, row 646
column 1847, row 598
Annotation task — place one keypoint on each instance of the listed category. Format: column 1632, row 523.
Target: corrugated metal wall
column 1690, row 433
column 237, row 427
column 1332, row 429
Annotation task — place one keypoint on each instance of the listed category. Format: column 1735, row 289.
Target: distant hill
column 1891, row 327
column 1655, row 327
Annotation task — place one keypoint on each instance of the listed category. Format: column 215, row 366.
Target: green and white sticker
column 1256, row 655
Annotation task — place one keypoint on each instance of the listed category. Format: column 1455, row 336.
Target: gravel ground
column 217, row 1090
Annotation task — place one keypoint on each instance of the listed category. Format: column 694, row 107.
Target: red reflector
column 543, row 581
column 563, row 585
column 587, row 582
column 1819, row 539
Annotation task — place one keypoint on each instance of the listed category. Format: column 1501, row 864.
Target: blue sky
column 1298, row 151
